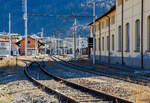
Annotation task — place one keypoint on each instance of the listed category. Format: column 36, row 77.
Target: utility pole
column 74, row 39
column 26, row 25
column 36, row 46
column 55, row 45
column 79, row 45
column 9, row 34
column 42, row 32
column 94, row 19
column 42, row 36
column 50, row 46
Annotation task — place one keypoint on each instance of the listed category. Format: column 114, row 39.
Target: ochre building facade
column 123, row 34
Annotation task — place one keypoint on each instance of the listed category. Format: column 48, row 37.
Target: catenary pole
column 26, row 25
column 9, row 34
column 94, row 19
column 74, row 39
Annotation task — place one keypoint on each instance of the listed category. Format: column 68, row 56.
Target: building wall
column 132, row 13
column 4, row 48
column 32, row 44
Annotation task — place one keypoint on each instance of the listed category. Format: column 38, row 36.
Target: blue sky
column 50, row 24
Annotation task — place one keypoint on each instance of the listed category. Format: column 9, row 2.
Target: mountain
column 51, row 25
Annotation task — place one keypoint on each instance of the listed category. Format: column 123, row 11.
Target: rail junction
column 66, row 90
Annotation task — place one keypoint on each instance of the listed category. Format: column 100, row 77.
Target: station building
column 33, row 46
column 123, row 34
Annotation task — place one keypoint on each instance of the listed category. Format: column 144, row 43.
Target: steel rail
column 91, row 91
column 47, row 89
column 142, row 81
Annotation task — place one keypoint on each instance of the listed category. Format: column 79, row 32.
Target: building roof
column 3, row 40
column 13, row 35
column 31, row 38
column 105, row 14
column 35, row 36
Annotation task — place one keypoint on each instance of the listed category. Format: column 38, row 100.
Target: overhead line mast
column 26, row 24
column 9, row 34
column 75, row 24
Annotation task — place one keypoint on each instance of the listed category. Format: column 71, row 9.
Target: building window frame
column 3, row 44
column 137, row 35
column 119, row 2
column 29, row 41
column 103, row 43
column 148, row 33
column 103, row 25
column 120, row 38
column 108, row 43
column 113, row 20
column 113, row 42
column 127, row 37
column 99, row 44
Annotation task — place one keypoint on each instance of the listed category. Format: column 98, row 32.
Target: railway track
column 125, row 77
column 71, row 92
column 46, row 88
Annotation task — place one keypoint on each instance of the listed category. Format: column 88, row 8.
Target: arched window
column 103, row 44
column 148, row 29
column 137, row 35
column 99, row 44
column 113, row 43
column 127, row 37
column 108, row 44
column 119, row 2
column 119, row 38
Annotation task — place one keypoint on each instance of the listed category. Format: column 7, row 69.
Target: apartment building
column 123, row 34
column 14, row 38
column 4, row 48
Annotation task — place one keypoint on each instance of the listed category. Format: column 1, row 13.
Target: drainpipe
column 100, row 41
column 109, row 40
column 142, row 15
column 122, row 32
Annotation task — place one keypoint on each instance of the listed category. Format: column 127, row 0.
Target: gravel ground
column 101, row 83
column 61, row 87
column 15, row 88
column 22, row 91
